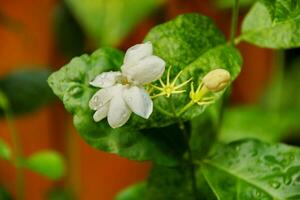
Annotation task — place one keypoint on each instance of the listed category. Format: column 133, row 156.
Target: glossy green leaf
column 108, row 22
column 257, row 122
column 250, row 169
column 5, row 152
column 133, row 192
column 273, row 24
column 47, row 163
column 26, row 90
column 191, row 43
column 71, row 84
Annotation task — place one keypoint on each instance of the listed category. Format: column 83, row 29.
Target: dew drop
column 275, row 184
column 257, row 194
column 287, row 180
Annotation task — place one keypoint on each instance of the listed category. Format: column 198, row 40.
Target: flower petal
column 118, row 113
column 101, row 113
column 104, row 95
column 147, row 70
column 100, row 98
column 135, row 54
column 106, row 79
column 138, row 101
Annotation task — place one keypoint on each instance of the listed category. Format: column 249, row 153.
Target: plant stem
column 190, row 157
column 234, row 21
column 189, row 151
column 17, row 153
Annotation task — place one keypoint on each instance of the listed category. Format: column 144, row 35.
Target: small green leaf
column 133, row 192
column 46, row 163
column 273, row 24
column 253, row 170
column 108, row 22
column 26, row 90
column 5, row 152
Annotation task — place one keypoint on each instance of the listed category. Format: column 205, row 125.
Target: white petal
column 101, row 113
column 104, row 95
column 118, row 113
column 136, row 53
column 106, row 79
column 138, row 101
column 147, row 70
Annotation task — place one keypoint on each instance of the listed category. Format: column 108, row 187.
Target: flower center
column 124, row 81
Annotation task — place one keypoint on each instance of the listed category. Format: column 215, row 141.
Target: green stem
column 234, row 21
column 17, row 153
column 189, row 151
column 278, row 80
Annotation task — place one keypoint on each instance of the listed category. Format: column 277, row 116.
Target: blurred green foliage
column 5, row 152
column 109, row 21
column 47, row 163
column 70, row 39
column 4, row 194
column 60, row 193
column 26, row 90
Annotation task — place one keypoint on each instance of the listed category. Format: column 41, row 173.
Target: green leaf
column 108, row 22
column 5, row 152
column 133, row 192
column 256, row 122
column 250, row 169
column 192, row 43
column 273, row 24
column 226, row 4
column 71, row 84
column 47, row 163
column 140, row 139
column 26, row 90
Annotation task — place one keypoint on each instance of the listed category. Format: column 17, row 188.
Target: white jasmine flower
column 122, row 92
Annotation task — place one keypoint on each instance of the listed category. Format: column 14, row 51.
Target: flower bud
column 216, row 80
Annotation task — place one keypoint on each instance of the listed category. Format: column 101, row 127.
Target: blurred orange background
column 91, row 174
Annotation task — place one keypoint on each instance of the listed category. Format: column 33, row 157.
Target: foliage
column 4, row 195
column 71, row 84
column 46, row 163
column 66, row 31
column 5, row 152
column 273, row 24
column 108, row 22
column 181, row 137
column 251, row 169
column 26, row 90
